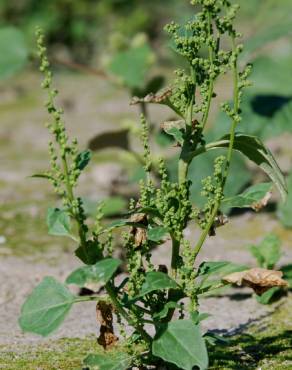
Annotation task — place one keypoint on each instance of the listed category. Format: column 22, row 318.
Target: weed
column 153, row 294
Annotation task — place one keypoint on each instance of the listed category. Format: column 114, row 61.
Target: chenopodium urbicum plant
column 158, row 305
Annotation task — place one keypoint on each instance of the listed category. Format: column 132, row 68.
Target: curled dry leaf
column 139, row 233
column 167, row 125
column 257, row 206
column 104, row 315
column 259, row 279
column 159, row 98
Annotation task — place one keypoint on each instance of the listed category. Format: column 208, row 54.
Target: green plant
column 153, row 294
column 267, row 255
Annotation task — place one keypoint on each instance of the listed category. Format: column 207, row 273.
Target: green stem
column 228, row 159
column 118, row 306
column 71, row 198
column 211, row 85
column 174, row 256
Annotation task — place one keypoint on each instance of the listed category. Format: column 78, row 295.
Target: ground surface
column 27, row 253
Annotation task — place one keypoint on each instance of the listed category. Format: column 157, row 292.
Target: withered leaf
column 104, row 315
column 259, row 279
column 257, row 206
column 139, row 233
column 159, row 98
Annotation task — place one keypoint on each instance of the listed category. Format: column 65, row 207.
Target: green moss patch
column 63, row 354
column 265, row 345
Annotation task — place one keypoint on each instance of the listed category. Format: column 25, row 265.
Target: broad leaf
column 284, row 210
column 90, row 254
column 58, row 222
column 131, row 66
column 46, row 307
column 268, row 252
column 156, row 234
column 108, row 361
column 203, row 166
column 14, row 51
column 111, row 139
column 256, row 151
column 156, row 280
column 101, row 273
column 182, row 344
column 83, row 159
column 255, row 197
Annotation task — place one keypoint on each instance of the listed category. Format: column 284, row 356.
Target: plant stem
column 174, row 256
column 118, row 306
column 211, row 85
column 228, row 158
column 71, row 198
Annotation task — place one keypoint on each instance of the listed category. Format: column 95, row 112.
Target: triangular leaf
column 156, row 234
column 156, row 280
column 182, row 344
column 58, row 222
column 101, row 273
column 255, row 196
column 46, row 307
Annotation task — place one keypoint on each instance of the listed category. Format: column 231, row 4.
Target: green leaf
column 14, row 52
column 108, row 361
column 131, row 66
column 256, row 151
column 284, row 210
column 176, row 133
column 287, row 274
column 220, row 267
column 267, row 296
column 101, row 273
column 58, row 222
column 197, row 317
column 156, row 234
column 214, row 339
column 182, row 344
column 272, row 74
column 42, row 176
column 83, row 159
column 268, row 252
column 251, row 197
column 112, row 139
column 164, row 312
column 46, row 307
column 111, row 206
column 266, row 36
column 203, row 166
column 90, row 254
column 156, row 280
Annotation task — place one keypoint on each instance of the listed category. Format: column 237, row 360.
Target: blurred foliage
column 85, row 26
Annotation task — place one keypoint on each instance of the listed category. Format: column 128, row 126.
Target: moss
column 62, row 354
column 265, row 345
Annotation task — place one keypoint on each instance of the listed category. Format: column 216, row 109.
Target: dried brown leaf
column 159, row 98
column 139, row 233
column 259, row 279
column 104, row 315
column 257, row 206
